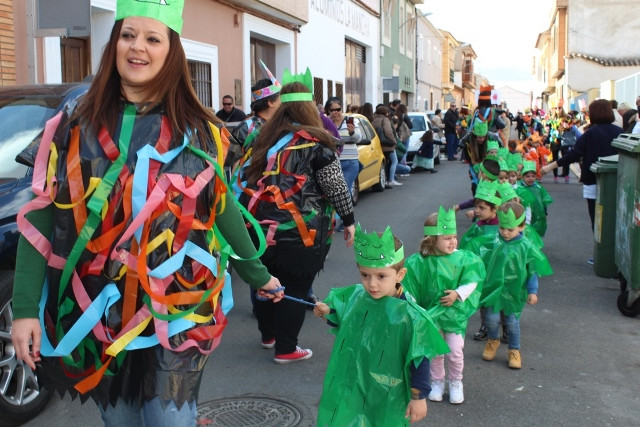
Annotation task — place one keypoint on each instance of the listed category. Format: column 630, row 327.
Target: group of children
column 395, row 330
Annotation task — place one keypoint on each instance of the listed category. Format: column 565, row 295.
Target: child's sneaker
column 299, row 354
column 566, row 179
column 456, row 393
column 268, row 343
column 555, row 179
column 515, row 362
column 482, row 334
column 490, row 350
column 437, row 390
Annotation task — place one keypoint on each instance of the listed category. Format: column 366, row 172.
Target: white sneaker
column 395, row 183
column 437, row 390
column 456, row 394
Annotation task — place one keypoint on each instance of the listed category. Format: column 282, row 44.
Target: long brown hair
column 100, row 106
column 428, row 243
column 289, row 117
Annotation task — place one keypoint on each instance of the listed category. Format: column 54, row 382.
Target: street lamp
column 420, row 15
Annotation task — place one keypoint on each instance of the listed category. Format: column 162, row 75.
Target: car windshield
column 21, row 124
column 418, row 124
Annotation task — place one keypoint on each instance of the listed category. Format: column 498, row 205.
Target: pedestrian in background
column 350, row 135
column 229, row 113
column 450, row 131
column 593, row 144
column 384, row 127
column 113, row 264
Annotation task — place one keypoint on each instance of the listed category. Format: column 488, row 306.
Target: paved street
column 581, row 357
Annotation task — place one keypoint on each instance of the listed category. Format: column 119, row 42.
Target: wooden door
column 75, row 59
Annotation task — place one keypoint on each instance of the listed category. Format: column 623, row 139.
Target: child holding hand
column 446, row 282
column 513, row 268
column 380, row 335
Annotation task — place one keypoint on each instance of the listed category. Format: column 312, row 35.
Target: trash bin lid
column 607, row 164
column 627, row 142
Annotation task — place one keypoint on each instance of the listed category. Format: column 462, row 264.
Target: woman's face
column 141, row 51
column 335, row 112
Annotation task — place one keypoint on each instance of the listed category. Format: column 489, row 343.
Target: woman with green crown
column 123, row 252
column 293, row 185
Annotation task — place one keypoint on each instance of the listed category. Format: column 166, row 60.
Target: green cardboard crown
column 446, row 224
column 305, row 78
column 486, row 191
column 376, row 251
column 485, row 171
column 528, row 166
column 169, row 12
column 506, row 192
column 509, row 220
column 513, row 160
column 492, row 145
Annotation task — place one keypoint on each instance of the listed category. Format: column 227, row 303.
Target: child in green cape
column 535, row 196
column 446, row 282
column 512, row 280
column 380, row 335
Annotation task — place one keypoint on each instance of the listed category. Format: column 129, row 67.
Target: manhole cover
column 248, row 411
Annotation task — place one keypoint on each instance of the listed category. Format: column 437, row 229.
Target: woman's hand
column 24, row 332
column 271, row 285
column 349, row 234
column 351, row 128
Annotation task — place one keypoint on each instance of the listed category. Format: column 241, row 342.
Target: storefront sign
column 346, row 13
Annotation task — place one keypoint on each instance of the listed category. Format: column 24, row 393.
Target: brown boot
column 515, row 362
column 490, row 349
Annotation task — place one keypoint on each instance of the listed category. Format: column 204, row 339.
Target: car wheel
column 355, row 193
column 21, row 397
column 382, row 182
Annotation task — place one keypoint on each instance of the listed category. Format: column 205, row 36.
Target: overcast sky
column 503, row 34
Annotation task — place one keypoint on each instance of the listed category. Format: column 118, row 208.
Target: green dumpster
column 604, row 227
column 627, row 252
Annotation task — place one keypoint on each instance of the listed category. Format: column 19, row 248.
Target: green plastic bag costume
column 368, row 378
column 476, row 231
column 536, row 197
column 509, row 264
column 428, row 277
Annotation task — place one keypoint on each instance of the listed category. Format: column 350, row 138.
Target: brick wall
column 7, row 44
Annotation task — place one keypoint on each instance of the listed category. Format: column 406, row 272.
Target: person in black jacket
column 594, row 143
column 450, row 121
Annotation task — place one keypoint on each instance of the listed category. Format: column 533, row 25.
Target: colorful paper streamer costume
column 143, row 263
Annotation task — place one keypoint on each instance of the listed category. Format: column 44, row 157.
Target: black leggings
column 556, row 149
column 591, row 205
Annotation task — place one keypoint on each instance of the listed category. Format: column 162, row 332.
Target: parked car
column 370, row 155
column 421, row 123
column 23, row 113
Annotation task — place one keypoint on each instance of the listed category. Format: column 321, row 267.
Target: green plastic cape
column 476, row 231
column 368, row 380
column 428, row 277
column 536, row 197
column 509, row 264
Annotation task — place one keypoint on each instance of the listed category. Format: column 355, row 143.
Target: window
column 201, row 81
column 318, row 90
column 387, row 6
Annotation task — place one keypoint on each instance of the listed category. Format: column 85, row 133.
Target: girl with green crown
column 378, row 374
column 446, row 282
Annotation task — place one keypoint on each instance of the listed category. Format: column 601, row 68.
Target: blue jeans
column 392, row 163
column 452, row 145
column 492, row 321
column 350, row 170
column 150, row 414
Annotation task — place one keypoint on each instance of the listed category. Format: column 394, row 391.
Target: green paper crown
column 492, row 145
column 513, row 160
column 503, row 153
column 486, row 191
column 509, row 220
column 503, row 165
column 485, row 171
column 305, row 78
column 374, row 251
column 480, row 128
column 528, row 166
column 506, row 192
column 446, row 224
column 169, row 12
